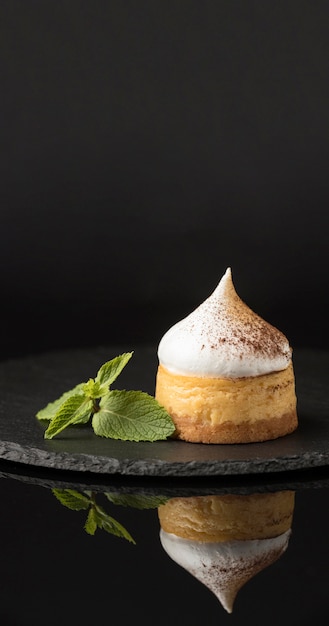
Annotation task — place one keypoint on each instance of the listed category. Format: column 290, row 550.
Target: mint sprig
column 125, row 415
column 96, row 516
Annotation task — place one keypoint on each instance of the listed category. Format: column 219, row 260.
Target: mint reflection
column 97, row 517
column 225, row 540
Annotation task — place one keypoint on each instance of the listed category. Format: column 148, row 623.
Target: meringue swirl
column 223, row 337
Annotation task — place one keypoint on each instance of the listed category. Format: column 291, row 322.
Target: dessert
column 224, row 541
column 225, row 375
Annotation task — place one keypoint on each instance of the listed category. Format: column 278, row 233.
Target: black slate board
column 26, row 385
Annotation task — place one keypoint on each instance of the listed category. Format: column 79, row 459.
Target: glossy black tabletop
column 54, row 572
column 57, row 568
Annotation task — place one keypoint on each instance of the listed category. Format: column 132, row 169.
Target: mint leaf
column 132, row 416
column 91, row 522
column 110, row 371
column 109, row 524
column 94, row 389
column 72, row 499
column 75, row 410
column 49, row 411
column 136, row 501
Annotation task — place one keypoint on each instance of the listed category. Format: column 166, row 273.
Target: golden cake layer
column 228, row 517
column 229, row 410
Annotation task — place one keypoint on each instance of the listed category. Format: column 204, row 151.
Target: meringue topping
column 224, row 567
column 223, row 337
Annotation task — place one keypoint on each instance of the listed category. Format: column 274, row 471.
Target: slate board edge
column 10, row 451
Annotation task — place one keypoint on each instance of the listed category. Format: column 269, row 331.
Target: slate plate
column 26, row 385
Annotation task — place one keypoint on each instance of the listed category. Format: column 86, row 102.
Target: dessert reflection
column 221, row 540
column 224, row 541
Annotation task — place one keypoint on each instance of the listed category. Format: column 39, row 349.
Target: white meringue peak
column 223, row 337
column 224, row 567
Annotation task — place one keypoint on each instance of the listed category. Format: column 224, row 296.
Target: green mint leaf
column 108, row 373
column 72, row 499
column 132, row 416
column 75, row 410
column 94, row 389
column 110, row 525
column 91, row 522
column 136, row 501
column 49, row 411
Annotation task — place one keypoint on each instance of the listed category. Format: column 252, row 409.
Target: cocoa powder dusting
column 243, row 328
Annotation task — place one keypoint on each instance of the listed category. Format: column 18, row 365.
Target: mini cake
column 224, row 541
column 225, row 375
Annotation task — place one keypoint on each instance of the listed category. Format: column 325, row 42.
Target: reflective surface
column 54, row 571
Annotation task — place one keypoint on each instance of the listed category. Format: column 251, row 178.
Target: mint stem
column 96, row 406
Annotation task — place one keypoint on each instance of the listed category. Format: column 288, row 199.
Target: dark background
column 145, row 147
